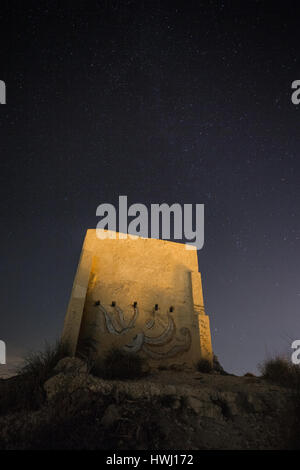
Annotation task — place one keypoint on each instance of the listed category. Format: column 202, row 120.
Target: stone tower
column 141, row 295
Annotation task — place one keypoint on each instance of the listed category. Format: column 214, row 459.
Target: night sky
column 186, row 102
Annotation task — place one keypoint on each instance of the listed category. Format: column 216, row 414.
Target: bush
column 280, row 371
column 204, row 366
column 118, row 364
column 25, row 390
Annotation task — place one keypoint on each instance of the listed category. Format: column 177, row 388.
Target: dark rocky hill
column 165, row 410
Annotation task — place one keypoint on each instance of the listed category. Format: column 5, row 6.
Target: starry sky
column 178, row 101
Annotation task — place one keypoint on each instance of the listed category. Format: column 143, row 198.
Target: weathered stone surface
column 203, row 407
column 143, row 295
column 111, row 416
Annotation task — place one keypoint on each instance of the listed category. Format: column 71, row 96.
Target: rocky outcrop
column 166, row 410
column 222, row 411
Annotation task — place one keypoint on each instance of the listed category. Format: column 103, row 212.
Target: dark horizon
column 162, row 102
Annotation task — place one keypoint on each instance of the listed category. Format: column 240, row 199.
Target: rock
column 55, row 385
column 63, row 384
column 194, row 404
column 204, row 408
column 227, row 401
column 176, row 404
column 166, row 410
column 71, row 365
column 217, row 366
column 179, row 367
column 111, row 416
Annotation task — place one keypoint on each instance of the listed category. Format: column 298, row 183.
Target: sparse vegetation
column 25, row 390
column 118, row 364
column 204, row 366
column 281, row 371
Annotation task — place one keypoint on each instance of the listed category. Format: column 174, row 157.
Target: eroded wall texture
column 142, row 295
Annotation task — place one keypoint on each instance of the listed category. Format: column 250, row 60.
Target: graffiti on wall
column 152, row 346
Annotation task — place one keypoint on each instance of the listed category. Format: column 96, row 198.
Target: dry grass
column 281, row 371
column 118, row 364
column 25, row 390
